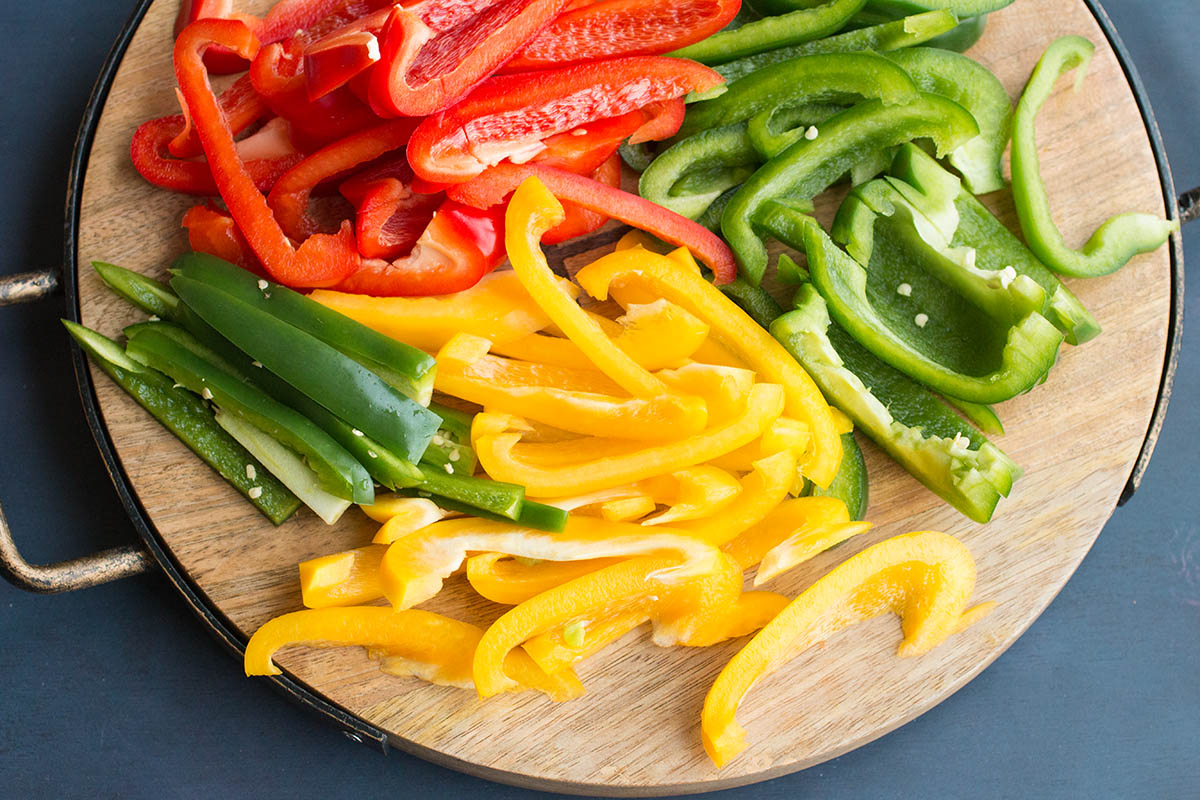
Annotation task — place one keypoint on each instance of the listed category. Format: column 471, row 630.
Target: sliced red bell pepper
column 212, row 231
column 218, row 60
column 424, row 70
column 580, row 221
column 323, row 259
column 458, row 247
column 277, row 73
column 499, row 181
column 665, row 119
column 444, row 15
column 510, row 116
column 314, row 18
column 623, row 28
column 241, row 106
column 331, row 61
column 290, row 195
column 389, row 216
column 584, row 149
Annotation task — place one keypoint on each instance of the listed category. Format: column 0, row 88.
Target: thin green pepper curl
column 1115, row 242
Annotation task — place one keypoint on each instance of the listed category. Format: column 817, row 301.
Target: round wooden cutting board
column 637, row 729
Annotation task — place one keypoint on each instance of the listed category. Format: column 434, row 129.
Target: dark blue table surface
column 119, row 692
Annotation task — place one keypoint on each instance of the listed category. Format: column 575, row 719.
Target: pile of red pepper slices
column 424, row 116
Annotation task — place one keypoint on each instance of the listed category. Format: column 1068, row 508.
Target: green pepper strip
column 151, row 296
column 975, row 88
column 504, row 500
column 538, row 516
column 904, row 418
column 1116, row 241
column 983, row 417
column 823, row 78
column 340, row 384
column 771, row 131
column 186, row 416
column 850, row 485
column 796, row 27
column 969, row 30
column 406, row 368
column 720, row 157
column 201, row 371
column 1004, row 360
column 906, row 32
column 807, row 168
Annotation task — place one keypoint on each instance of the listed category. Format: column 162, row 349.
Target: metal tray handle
column 77, row 573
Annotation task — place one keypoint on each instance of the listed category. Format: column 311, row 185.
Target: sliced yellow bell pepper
column 430, row 646
column 734, row 329
column 723, row 389
column 414, row 567
column 552, row 651
column 841, row 423
column 503, row 579
column 589, row 413
column 505, row 459
column 692, row 493
column 925, row 577
column 473, row 350
column 657, row 335
column 406, row 514
column 342, row 579
column 717, row 354
column 497, row 308
column 532, row 211
column 794, row 516
column 804, row 545
column 785, row 434
column 762, row 490
column 627, row 510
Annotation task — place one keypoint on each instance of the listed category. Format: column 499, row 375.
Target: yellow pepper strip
column 583, row 501
column 496, row 308
column 427, row 645
column 656, row 335
column 794, row 516
column 503, row 579
column 473, row 352
column 973, row 615
column 785, row 434
column 925, row 577
column 841, row 423
column 407, row 514
column 589, row 413
column 714, row 353
column 415, row 566
column 631, row 585
column 762, row 490
column 736, row 331
column 342, row 579
column 804, row 545
column 552, row 651
column 505, row 459
column 692, row 493
column 723, row 389
column 627, row 510
column 531, row 212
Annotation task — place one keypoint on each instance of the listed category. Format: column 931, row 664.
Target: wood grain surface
column 636, row 731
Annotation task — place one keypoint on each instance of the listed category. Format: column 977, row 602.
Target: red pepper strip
column 501, row 180
column 331, row 61
column 389, row 216
column 509, row 116
column 314, row 18
column 458, row 247
column 289, row 197
column 424, row 71
column 443, row 15
column 149, row 152
column 665, row 120
column 277, row 73
column 579, row 221
column 322, row 260
column 241, row 106
column 623, row 28
column 218, row 60
column 214, row 232
column 585, row 149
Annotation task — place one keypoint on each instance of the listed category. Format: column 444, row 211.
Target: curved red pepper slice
column 623, row 28
column 424, row 70
column 241, row 106
column 219, row 61
column 333, row 60
column 585, row 149
column 580, row 221
column 389, row 216
column 323, row 259
column 495, row 184
column 459, row 246
column 290, row 195
column 510, row 116
column 214, row 232
column 664, row 122
column 277, row 73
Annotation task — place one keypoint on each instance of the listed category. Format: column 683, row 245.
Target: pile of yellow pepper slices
column 676, row 436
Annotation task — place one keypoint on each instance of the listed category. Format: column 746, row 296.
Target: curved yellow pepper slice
column 350, row 578
column 473, row 350
column 588, row 413
column 532, row 211
column 692, row 493
column 733, row 328
column 762, row 490
column 414, row 567
column 497, row 308
column 791, row 517
column 505, row 459
column 401, row 515
column 723, row 389
column 503, row 579
column 656, row 335
column 435, row 648
column 804, row 545
column 925, row 577
column 627, row 510
column 784, row 434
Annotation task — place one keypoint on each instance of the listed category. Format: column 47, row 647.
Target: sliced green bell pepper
column 808, row 167
column 983, row 417
column 718, row 158
column 904, row 418
column 771, row 131
column 151, row 296
column 1116, row 241
column 975, row 88
column 187, row 416
column 907, row 32
column 971, row 25
column 177, row 353
column 850, row 485
column 790, row 28
column 538, row 516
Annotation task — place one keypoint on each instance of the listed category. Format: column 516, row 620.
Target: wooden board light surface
column 636, row 731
